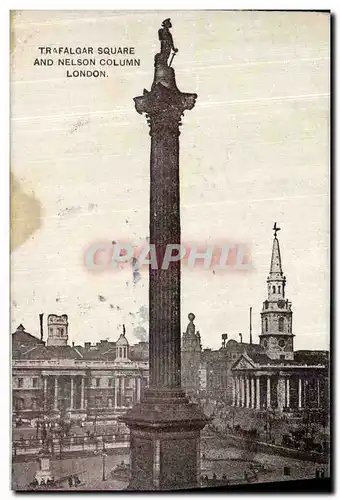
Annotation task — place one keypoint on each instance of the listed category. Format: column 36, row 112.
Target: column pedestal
column 164, row 441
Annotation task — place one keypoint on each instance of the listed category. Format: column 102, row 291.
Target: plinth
column 43, row 473
column 164, row 426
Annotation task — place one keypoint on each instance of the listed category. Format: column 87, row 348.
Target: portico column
column 56, row 392
column 281, row 393
column 116, row 392
column 138, row 389
column 258, row 394
column 72, row 389
column 288, row 392
column 237, row 387
column 233, row 391
column 45, row 391
column 252, row 392
column 268, row 391
column 82, row 391
column 247, row 392
column 300, row 393
column 242, row 390
column 122, row 392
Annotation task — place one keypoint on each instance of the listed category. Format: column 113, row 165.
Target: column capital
column 164, row 107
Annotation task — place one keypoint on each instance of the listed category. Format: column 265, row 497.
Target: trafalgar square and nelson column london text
column 170, row 269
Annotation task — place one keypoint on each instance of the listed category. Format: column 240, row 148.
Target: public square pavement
column 217, row 458
column 88, row 469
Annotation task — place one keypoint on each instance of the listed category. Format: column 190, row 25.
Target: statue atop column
column 167, row 44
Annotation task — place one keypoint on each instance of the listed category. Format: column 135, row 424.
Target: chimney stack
column 240, row 334
column 41, row 326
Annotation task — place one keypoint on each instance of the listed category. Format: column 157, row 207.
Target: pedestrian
column 322, row 473
column 70, row 482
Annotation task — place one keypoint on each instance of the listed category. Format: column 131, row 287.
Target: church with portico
column 275, row 376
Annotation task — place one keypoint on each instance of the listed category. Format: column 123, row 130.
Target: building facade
column 80, row 381
column 278, row 377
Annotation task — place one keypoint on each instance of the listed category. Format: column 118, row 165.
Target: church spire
column 275, row 264
column 276, row 316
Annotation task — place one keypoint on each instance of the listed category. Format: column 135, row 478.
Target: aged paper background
column 253, row 151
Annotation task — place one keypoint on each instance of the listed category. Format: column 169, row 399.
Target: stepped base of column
column 164, row 441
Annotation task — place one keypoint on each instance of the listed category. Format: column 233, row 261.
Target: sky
column 254, row 150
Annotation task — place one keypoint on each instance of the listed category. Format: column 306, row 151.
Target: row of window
column 34, row 404
column 96, row 382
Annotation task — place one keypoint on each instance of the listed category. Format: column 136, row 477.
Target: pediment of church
column 243, row 362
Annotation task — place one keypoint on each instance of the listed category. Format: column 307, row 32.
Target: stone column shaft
column 268, row 392
column 138, row 389
column 45, row 391
column 71, row 391
column 122, row 391
column 82, row 392
column 116, row 392
column 281, row 393
column 258, row 393
column 233, row 391
column 252, row 392
column 242, row 391
column 300, row 393
column 56, row 392
column 164, row 284
column 288, row 393
column 247, row 392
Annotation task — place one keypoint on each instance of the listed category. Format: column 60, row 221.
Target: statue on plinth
column 167, row 44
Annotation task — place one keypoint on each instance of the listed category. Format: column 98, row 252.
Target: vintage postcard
column 170, row 249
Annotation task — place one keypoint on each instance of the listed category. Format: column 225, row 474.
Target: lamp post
column 104, row 455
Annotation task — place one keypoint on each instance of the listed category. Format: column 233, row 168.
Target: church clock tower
column 276, row 316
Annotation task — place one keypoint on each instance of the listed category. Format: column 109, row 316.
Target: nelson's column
column 164, row 427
